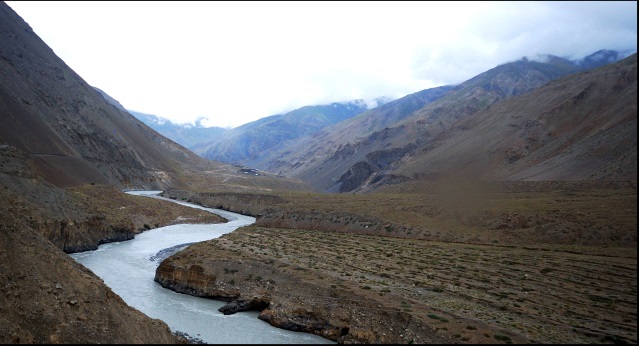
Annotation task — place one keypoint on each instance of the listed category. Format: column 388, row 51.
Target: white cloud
column 235, row 62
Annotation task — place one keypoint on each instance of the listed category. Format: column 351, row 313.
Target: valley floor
column 361, row 286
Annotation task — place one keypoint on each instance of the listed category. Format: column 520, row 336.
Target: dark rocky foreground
column 189, row 339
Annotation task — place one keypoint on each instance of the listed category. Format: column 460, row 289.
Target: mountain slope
column 186, row 135
column 73, row 135
column 251, row 143
column 346, row 162
column 65, row 155
column 579, row 127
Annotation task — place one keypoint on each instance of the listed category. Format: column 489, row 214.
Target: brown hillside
column 65, row 156
column 580, row 127
column 348, row 157
column 74, row 136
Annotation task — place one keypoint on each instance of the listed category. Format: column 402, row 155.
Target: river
column 128, row 268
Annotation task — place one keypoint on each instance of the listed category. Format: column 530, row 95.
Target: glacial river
column 128, row 268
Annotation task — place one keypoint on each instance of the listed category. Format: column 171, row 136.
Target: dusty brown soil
column 540, row 263
column 508, row 213
column 46, row 297
column 83, row 217
column 452, row 292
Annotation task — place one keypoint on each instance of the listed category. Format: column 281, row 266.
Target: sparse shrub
column 437, row 317
column 503, row 338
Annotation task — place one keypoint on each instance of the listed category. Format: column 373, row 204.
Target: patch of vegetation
column 437, row 317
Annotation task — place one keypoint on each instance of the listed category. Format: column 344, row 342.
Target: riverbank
column 369, row 289
column 532, row 263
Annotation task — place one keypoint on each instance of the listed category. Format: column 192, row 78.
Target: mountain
column 308, row 151
column 601, row 57
column 579, row 127
column 186, row 135
column 345, row 157
column 68, row 130
column 250, row 143
column 183, row 134
column 66, row 154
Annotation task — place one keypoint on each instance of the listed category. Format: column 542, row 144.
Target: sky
column 230, row 63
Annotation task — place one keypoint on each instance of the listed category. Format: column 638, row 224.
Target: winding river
column 128, row 268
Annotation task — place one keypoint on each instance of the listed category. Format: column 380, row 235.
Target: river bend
column 128, row 268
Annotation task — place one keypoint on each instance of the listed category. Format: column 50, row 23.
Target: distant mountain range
column 354, row 155
column 252, row 140
column 345, row 147
column 185, row 134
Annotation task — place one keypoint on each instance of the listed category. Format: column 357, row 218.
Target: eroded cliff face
column 251, row 204
column 81, row 218
column 192, row 280
column 289, row 297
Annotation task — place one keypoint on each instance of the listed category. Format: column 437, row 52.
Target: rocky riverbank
column 290, row 302
column 301, row 297
column 354, row 288
column 527, row 263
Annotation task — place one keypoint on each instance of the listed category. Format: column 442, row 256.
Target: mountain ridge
column 246, row 144
column 343, row 164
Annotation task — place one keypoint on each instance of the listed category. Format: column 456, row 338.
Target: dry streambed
column 444, row 292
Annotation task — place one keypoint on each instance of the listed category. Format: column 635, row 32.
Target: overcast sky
column 235, row 62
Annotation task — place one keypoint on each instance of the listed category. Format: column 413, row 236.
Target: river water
column 128, row 268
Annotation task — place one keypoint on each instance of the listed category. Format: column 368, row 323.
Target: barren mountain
column 346, row 158
column 70, row 131
column 66, row 153
column 579, row 127
column 186, row 135
column 252, row 143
